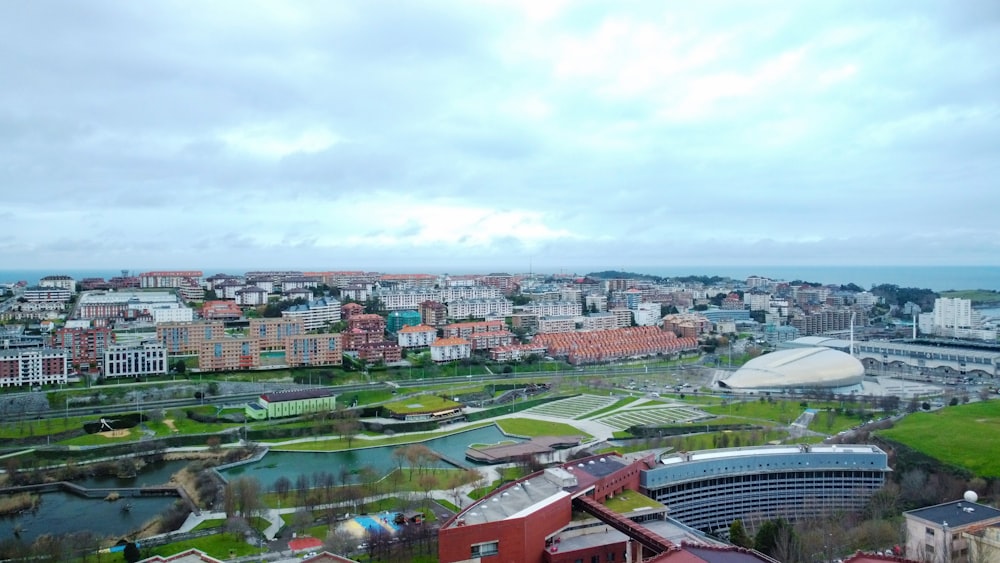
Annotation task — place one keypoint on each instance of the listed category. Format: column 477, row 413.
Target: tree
column 738, row 534
column 180, row 367
column 770, row 535
column 132, row 553
column 347, row 425
column 282, row 485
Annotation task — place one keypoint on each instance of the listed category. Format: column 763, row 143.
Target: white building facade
column 146, row 358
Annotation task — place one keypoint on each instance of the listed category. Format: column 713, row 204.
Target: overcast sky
column 476, row 136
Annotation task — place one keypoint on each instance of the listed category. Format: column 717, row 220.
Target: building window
column 484, row 549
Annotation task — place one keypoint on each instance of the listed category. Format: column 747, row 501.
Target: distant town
column 156, row 322
column 600, row 417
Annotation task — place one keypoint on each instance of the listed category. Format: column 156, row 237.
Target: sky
column 498, row 135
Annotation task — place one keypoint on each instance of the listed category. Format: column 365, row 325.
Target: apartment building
column 85, row 346
column 450, row 349
column 348, row 310
column 506, row 283
column 59, row 282
column 175, row 279
column 313, row 350
column 558, row 308
column 599, row 321
column 554, row 324
column 433, row 313
column 623, row 317
column 214, row 281
column 221, row 311
column 229, row 354
column 479, row 308
column 516, row 352
column 187, row 338
column 421, row 281
column 459, row 293
column 126, row 304
column 39, row 294
column 398, row 299
column 828, row 320
column 315, row 314
column 527, row 322
column 464, row 330
column 941, row 533
column 265, row 283
column 273, row 333
column 362, row 330
column 595, row 303
column 757, row 300
column 381, row 351
column 416, row 336
column 252, row 296
column 690, row 325
column 135, row 360
column 489, row 340
column 357, row 292
column 33, row 367
column 171, row 313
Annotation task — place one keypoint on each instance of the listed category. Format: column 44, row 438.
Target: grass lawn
column 28, row 428
column 629, row 501
column 336, row 444
column 532, row 428
column 218, row 546
column 423, row 403
column 961, row 435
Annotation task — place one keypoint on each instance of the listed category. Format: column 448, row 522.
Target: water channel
column 61, row 512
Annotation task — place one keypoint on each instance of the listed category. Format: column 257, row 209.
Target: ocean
column 937, row 278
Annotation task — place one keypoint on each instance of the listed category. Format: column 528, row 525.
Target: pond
column 293, row 464
column 61, row 513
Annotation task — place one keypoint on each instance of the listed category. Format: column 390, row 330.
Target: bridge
column 655, row 543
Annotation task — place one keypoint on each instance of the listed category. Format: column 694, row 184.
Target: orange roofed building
column 610, row 345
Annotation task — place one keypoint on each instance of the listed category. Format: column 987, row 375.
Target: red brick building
column 85, row 345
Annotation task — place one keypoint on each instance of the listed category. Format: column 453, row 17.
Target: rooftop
column 956, row 514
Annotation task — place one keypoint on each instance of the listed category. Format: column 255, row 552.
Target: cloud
column 436, row 135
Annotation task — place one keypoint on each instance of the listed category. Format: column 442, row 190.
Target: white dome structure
column 799, row 369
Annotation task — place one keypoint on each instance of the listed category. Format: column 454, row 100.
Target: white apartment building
column 171, row 314
column 479, row 308
column 251, row 296
column 450, row 349
column 38, row 294
column 599, row 321
column 562, row 323
column 135, row 360
column 757, row 301
column 647, row 314
column 60, row 282
column 38, row 366
column 553, row 308
column 596, row 302
column 169, row 278
column 779, row 308
column 952, row 313
column 315, row 314
column 623, row 317
column 865, row 299
column 462, row 292
column 416, row 336
column 267, row 284
column 397, row 300
column 357, row 292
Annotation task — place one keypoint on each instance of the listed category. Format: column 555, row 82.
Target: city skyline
column 499, row 135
